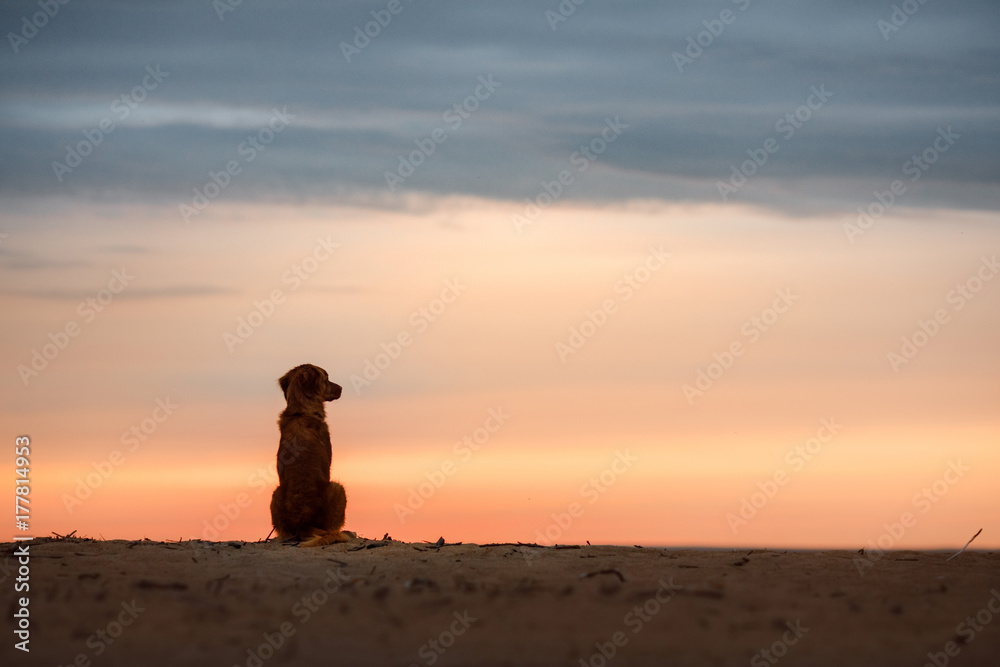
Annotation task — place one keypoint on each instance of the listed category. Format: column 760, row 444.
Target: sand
column 394, row 603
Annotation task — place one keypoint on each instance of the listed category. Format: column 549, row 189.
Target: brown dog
column 307, row 506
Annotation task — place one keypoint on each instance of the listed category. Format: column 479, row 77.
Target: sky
column 716, row 274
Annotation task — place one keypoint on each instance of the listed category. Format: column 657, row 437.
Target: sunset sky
column 698, row 274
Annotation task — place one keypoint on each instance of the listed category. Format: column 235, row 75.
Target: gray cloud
column 19, row 260
column 352, row 120
column 130, row 294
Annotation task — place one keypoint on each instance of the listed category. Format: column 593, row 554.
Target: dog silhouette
column 307, row 506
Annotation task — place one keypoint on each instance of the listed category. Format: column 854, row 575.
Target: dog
column 307, row 506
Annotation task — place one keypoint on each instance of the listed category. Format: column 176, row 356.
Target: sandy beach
column 386, row 602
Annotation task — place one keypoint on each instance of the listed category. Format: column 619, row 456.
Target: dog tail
column 321, row 538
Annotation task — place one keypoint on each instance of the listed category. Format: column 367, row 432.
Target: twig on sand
column 587, row 575
column 967, row 544
column 440, row 543
column 63, row 537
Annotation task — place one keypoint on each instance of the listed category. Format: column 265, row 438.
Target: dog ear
column 302, row 381
column 309, row 381
column 283, row 382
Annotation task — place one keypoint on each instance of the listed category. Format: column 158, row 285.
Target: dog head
column 307, row 384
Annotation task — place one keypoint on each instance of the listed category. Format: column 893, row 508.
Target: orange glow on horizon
column 207, row 469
